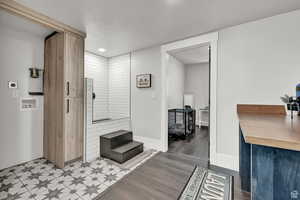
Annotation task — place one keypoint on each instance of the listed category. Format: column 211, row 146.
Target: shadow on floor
column 196, row 145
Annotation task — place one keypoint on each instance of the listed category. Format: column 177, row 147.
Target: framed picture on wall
column 143, row 81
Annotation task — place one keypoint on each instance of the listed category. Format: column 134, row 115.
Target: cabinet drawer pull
column 68, row 88
column 68, row 105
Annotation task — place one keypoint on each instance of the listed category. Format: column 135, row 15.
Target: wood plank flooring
column 162, row 177
column 196, row 145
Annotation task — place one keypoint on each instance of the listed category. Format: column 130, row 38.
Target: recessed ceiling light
column 102, row 50
column 174, row 2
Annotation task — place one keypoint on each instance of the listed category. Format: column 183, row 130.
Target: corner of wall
column 149, row 142
column 226, row 161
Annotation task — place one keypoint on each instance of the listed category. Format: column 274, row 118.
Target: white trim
column 149, row 142
column 212, row 40
column 226, row 161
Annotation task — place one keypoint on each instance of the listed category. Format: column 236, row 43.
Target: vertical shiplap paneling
column 111, row 83
column 95, row 130
column 96, row 68
column 119, row 86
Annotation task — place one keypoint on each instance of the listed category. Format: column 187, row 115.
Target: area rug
column 206, row 184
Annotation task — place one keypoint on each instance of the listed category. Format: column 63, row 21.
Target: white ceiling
column 121, row 26
column 23, row 25
column 193, row 55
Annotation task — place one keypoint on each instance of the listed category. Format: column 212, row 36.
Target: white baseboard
column 226, row 161
column 149, row 143
column 220, row 160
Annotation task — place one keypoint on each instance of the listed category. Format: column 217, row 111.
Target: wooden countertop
column 269, row 126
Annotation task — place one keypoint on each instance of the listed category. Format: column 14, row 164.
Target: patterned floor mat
column 206, row 184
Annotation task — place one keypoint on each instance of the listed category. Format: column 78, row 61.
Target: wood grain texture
column 74, row 65
column 74, row 93
column 162, row 177
column 261, row 109
column 28, row 13
column 60, row 123
column 53, row 100
column 64, row 122
column 273, row 130
column 74, row 129
column 194, row 145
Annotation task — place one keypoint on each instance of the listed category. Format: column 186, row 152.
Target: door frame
column 210, row 39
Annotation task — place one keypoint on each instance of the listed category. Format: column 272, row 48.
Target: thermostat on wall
column 12, row 84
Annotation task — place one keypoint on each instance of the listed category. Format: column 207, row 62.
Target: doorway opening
column 198, row 120
column 188, row 101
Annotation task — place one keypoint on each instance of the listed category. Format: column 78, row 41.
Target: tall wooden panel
column 74, row 81
column 74, row 129
column 64, row 79
column 74, row 76
column 53, row 101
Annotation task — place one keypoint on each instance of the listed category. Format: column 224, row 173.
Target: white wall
column 119, row 86
column 96, row 68
column 197, row 83
column 145, row 106
column 146, row 102
column 257, row 63
column 111, row 84
column 21, row 136
column 175, row 76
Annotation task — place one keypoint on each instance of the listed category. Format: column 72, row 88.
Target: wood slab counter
column 271, row 130
column 269, row 152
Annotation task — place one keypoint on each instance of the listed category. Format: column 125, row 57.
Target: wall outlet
column 28, row 104
column 294, row 194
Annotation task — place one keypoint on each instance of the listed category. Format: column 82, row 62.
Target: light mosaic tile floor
column 41, row 180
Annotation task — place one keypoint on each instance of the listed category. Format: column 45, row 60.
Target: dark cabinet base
column 269, row 173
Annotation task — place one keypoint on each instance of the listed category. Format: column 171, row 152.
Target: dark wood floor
column 162, row 177
column 238, row 193
column 196, row 145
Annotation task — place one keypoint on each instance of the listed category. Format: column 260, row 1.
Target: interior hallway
column 196, row 145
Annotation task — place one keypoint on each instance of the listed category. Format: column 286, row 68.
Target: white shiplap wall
column 111, row 83
column 93, row 131
column 119, row 86
column 96, row 68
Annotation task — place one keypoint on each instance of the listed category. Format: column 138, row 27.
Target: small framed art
column 143, row 81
